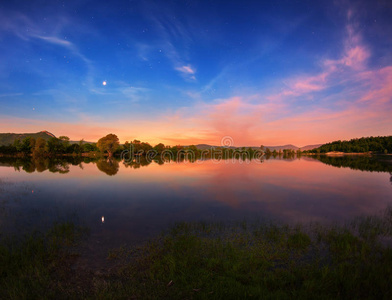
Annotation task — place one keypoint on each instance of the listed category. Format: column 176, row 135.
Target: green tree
column 64, row 139
column 145, row 147
column 89, row 147
column 27, row 145
column 18, row 145
column 39, row 148
column 127, row 145
column 137, row 147
column 109, row 144
column 53, row 145
column 159, row 148
column 268, row 152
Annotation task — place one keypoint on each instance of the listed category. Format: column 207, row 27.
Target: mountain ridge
column 9, row 138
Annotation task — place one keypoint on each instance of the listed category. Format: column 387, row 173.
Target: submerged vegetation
column 213, row 261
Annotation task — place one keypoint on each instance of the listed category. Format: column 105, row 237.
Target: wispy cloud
column 349, row 67
column 122, row 93
column 175, row 37
column 186, row 69
column 31, row 31
column 56, row 41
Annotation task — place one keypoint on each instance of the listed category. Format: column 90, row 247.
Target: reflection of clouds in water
column 292, row 191
column 299, row 190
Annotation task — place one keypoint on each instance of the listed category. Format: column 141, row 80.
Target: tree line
column 109, row 145
column 50, row 147
column 379, row 144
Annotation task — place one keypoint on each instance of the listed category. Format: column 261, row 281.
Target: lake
column 129, row 203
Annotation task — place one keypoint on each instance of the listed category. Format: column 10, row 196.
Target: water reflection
column 140, row 162
column 41, row 164
column 142, row 197
column 109, row 166
column 363, row 163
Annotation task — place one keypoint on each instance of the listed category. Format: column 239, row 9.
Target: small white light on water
column 103, row 219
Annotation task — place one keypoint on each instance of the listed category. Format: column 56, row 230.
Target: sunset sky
column 190, row 72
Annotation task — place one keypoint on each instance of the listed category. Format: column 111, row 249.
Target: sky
column 244, row 73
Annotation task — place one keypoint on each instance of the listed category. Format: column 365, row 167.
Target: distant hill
column 311, row 147
column 272, row 148
column 9, row 138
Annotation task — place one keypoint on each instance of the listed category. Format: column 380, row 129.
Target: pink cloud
column 352, row 60
column 380, row 86
column 355, row 57
column 307, row 84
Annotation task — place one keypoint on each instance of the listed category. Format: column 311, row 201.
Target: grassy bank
column 37, row 266
column 218, row 261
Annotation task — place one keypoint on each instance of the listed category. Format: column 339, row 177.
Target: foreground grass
column 216, row 261
column 37, row 266
column 221, row 261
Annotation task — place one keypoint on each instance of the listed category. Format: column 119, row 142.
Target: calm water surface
column 138, row 202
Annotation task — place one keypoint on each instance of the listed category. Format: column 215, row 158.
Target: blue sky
column 180, row 72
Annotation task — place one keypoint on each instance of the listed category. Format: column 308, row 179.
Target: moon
column 104, row 83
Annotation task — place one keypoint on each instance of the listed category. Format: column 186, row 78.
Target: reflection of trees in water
column 109, row 166
column 138, row 162
column 41, row 164
column 363, row 163
column 61, row 167
column 29, row 166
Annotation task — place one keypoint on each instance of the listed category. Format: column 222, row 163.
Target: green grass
column 201, row 261
column 215, row 261
column 36, row 266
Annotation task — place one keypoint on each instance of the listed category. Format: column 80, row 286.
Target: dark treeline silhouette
column 379, row 144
